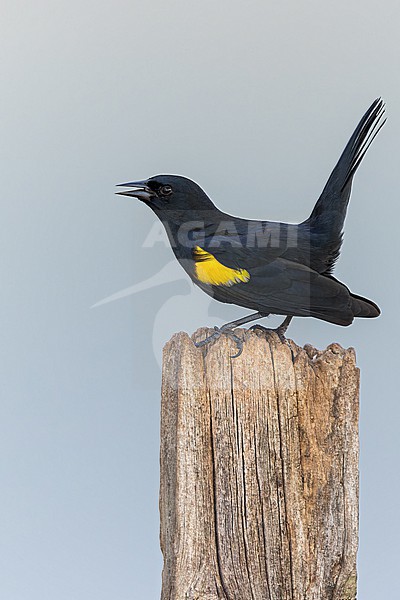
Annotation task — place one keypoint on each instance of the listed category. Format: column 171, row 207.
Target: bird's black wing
column 283, row 287
column 241, row 243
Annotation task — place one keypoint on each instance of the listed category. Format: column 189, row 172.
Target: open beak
column 141, row 191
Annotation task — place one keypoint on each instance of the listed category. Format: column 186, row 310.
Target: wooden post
column 259, row 471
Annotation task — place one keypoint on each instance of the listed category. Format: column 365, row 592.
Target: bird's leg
column 227, row 329
column 280, row 330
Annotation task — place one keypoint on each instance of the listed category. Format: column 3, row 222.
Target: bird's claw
column 210, row 338
column 238, row 341
column 280, row 331
column 218, row 331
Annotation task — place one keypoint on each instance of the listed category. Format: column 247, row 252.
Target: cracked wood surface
column 259, row 470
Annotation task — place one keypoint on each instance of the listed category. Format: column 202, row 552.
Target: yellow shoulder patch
column 209, row 270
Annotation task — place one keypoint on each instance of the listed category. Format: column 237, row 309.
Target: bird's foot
column 280, row 331
column 224, row 330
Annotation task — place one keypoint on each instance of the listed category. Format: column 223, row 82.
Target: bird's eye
column 166, row 190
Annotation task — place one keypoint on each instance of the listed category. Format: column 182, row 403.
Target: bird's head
column 164, row 193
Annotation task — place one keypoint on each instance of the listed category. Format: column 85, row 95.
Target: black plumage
column 270, row 267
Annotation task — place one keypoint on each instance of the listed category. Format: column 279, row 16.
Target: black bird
column 270, row 267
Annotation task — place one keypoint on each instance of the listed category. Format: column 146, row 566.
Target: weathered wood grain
column 259, row 471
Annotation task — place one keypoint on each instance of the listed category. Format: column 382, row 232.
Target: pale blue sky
column 233, row 95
